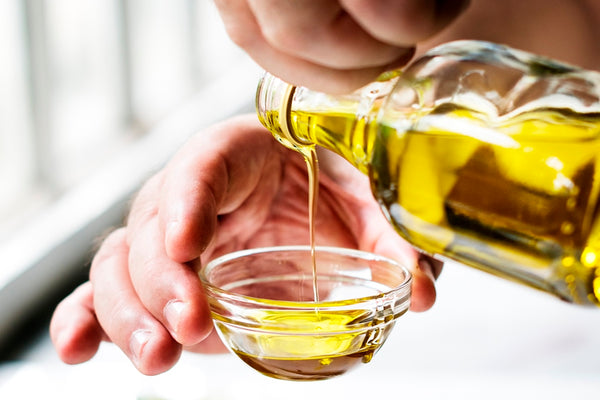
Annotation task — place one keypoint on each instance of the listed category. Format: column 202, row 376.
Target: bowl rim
column 402, row 290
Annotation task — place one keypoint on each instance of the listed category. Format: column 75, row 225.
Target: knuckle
column 145, row 202
column 240, row 36
column 296, row 39
column 113, row 245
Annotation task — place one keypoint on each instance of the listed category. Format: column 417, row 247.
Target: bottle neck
column 300, row 118
column 286, row 133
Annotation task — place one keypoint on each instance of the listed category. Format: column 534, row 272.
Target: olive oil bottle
column 476, row 152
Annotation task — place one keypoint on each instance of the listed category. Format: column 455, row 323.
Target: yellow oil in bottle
column 515, row 195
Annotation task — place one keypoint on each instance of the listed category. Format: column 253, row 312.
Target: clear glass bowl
column 263, row 305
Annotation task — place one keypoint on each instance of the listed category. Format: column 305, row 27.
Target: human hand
column 230, row 187
column 334, row 45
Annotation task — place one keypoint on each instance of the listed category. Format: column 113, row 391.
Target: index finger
column 213, row 174
column 404, row 22
column 322, row 32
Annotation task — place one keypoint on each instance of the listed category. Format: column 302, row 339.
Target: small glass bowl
column 263, row 305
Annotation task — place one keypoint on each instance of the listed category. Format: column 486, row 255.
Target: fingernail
column 137, row 342
column 172, row 313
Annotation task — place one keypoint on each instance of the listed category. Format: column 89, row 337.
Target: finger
column 404, row 22
column 74, row 330
column 169, row 290
column 423, row 287
column 423, row 293
column 214, row 174
column 244, row 30
column 321, row 31
column 435, row 265
column 145, row 206
column 379, row 237
column 121, row 314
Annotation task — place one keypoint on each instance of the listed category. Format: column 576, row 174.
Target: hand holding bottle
column 334, row 45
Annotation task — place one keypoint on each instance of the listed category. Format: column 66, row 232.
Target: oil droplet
column 567, row 228
column 568, row 261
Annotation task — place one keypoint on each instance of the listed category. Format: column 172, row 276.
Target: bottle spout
column 274, row 99
column 285, row 122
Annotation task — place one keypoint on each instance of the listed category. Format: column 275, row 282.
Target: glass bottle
column 476, row 152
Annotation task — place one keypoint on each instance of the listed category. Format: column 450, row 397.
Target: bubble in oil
column 567, row 228
column 589, row 258
column 568, row 261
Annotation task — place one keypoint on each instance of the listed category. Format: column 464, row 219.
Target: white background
column 485, row 338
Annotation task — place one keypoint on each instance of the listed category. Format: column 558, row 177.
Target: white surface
column 484, row 339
